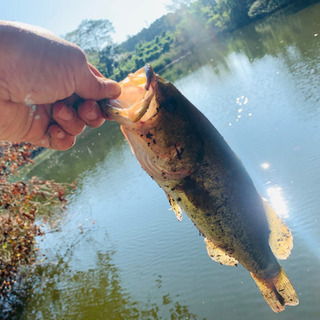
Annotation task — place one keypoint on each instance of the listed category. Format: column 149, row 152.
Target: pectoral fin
column 218, row 255
column 175, row 207
column 280, row 239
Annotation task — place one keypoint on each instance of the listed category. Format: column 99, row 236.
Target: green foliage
column 220, row 17
column 171, row 37
column 91, row 34
column 261, row 8
column 166, row 23
column 145, row 52
column 175, row 5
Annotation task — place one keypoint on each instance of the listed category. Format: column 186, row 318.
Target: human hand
column 42, row 79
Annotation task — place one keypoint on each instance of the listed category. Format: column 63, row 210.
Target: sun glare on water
column 277, row 201
column 265, row 165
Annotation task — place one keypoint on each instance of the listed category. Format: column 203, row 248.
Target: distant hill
column 166, row 23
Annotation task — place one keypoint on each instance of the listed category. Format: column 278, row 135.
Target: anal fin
column 218, row 255
column 175, row 207
column 280, row 238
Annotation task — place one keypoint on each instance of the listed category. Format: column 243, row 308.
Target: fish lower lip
column 105, row 105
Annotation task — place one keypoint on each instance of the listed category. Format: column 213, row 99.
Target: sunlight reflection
column 265, row 165
column 277, row 201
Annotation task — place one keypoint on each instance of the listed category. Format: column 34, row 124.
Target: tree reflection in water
column 61, row 293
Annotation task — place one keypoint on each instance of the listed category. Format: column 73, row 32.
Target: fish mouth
column 137, row 101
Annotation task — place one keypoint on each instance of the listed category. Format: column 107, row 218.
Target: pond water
column 118, row 252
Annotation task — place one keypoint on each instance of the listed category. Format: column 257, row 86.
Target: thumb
column 90, row 84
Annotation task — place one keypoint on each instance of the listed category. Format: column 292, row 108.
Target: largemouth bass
column 202, row 177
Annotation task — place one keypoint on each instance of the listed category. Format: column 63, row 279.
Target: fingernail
column 65, row 113
column 60, row 134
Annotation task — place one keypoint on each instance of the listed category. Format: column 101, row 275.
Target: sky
column 62, row 16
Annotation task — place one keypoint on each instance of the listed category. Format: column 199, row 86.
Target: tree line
column 170, row 37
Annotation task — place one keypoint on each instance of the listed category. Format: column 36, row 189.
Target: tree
column 107, row 60
column 175, row 5
column 92, row 35
column 238, row 12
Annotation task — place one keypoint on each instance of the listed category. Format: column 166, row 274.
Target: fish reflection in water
column 201, row 176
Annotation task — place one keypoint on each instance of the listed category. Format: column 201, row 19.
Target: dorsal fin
column 280, row 238
column 218, row 255
column 175, row 207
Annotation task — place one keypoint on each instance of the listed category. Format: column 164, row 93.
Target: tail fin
column 277, row 291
